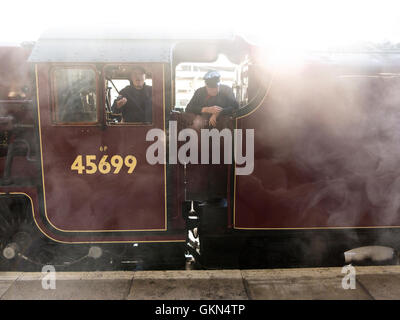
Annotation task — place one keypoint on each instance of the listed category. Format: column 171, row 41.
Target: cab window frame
column 148, row 66
column 53, row 94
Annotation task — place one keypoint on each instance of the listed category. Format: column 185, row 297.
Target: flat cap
column 211, row 75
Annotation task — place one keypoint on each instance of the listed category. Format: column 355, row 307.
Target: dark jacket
column 138, row 108
column 224, row 99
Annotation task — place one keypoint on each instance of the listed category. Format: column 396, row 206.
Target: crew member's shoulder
column 201, row 90
column 126, row 89
column 225, row 88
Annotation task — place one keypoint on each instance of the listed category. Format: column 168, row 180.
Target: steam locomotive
column 77, row 189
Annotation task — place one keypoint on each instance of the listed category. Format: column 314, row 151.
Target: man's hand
column 213, row 120
column 121, row 102
column 213, row 110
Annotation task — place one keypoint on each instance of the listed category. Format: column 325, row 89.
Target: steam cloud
column 338, row 129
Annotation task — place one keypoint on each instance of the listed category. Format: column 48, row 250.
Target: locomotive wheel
column 23, row 247
column 13, row 227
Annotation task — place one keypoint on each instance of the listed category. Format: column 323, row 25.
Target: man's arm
column 119, row 103
column 114, row 108
column 194, row 105
column 232, row 103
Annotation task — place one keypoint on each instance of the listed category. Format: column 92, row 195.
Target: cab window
column 128, row 94
column 74, row 96
column 189, row 77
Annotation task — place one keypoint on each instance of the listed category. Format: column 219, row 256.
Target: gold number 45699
column 104, row 167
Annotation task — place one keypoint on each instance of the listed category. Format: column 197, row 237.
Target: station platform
column 378, row 282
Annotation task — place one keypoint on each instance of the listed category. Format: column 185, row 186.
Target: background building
column 189, row 77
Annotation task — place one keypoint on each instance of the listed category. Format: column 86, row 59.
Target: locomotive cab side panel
column 95, row 177
column 96, row 182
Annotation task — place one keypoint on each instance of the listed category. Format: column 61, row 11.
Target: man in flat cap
column 134, row 101
column 214, row 99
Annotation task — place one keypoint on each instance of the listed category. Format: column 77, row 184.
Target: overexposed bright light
column 285, row 24
column 317, row 24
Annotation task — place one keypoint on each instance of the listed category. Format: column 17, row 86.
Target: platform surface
column 381, row 282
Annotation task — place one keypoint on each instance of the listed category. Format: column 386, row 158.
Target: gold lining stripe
column 81, row 242
column 41, row 157
column 165, row 154
column 262, row 101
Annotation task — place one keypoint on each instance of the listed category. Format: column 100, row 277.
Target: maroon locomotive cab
column 96, row 178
